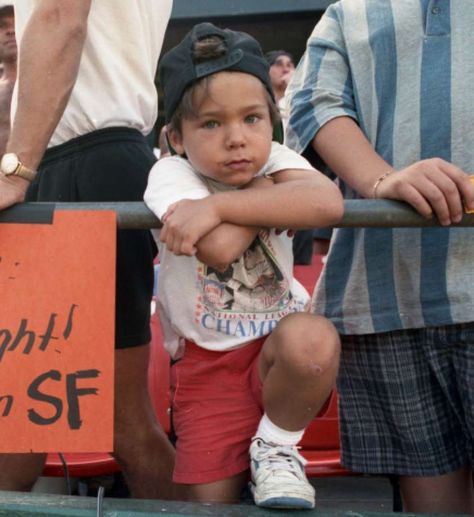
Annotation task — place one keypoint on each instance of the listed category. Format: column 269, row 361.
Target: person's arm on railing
column 297, row 199
column 49, row 56
column 430, row 186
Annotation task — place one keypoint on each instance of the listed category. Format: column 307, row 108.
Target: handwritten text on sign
column 57, row 285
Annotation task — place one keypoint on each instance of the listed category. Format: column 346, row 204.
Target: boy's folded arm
column 225, row 244
column 297, row 199
column 430, row 186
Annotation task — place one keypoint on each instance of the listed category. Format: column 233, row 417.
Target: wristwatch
column 10, row 165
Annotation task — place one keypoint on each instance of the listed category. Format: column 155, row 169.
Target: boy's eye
column 210, row 124
column 251, row 119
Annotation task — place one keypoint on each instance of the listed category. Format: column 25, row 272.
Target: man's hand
column 186, row 222
column 431, row 186
column 12, row 191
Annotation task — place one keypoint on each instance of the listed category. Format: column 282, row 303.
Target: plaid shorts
column 407, row 401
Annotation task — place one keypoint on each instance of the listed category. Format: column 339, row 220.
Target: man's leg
column 225, row 491
column 141, row 446
column 448, row 494
column 19, row 472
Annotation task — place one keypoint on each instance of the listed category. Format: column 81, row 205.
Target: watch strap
column 24, row 172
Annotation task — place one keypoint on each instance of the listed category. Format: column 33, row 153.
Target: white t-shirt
column 115, row 85
column 222, row 311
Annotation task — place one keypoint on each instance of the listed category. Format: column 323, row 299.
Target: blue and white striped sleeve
column 321, row 88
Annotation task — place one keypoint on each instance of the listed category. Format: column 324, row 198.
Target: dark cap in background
column 273, row 55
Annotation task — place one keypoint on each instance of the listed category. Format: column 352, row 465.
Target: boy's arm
column 430, row 186
column 297, row 199
column 172, row 180
column 227, row 242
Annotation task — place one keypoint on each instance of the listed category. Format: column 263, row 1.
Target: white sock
column 271, row 433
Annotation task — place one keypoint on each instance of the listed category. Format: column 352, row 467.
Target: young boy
column 232, row 313
column 384, row 95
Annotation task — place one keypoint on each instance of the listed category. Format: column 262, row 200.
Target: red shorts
column 217, row 406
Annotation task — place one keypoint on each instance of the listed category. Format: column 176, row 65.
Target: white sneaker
column 278, row 477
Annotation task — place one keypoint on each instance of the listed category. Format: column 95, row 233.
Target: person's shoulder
column 281, row 158
column 174, row 162
column 354, row 4
column 173, row 170
column 281, row 151
column 343, row 8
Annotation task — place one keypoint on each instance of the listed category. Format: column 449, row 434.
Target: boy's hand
column 186, row 222
column 431, row 186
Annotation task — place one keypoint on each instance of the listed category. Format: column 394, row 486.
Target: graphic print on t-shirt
column 247, row 299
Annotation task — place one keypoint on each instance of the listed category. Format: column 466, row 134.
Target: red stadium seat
column 320, row 443
column 81, row 465
column 308, row 275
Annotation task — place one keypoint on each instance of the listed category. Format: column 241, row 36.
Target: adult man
column 85, row 89
column 8, row 54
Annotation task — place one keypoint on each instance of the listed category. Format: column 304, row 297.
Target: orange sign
column 57, row 299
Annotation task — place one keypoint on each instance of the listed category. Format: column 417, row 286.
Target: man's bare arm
column 431, row 186
column 50, row 53
column 49, row 57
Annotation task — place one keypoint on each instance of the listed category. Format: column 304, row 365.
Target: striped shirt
column 404, row 70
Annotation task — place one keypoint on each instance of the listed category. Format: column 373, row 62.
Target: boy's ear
column 176, row 141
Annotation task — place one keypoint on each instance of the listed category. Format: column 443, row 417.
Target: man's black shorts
column 109, row 165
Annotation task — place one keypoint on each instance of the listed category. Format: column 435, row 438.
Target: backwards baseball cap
column 179, row 70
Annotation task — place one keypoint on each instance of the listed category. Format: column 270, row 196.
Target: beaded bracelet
column 379, row 181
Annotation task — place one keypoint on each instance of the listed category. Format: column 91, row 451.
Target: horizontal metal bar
column 135, row 215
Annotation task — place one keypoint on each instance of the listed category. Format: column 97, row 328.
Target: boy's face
column 230, row 139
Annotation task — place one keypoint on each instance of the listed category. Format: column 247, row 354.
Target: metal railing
column 135, row 215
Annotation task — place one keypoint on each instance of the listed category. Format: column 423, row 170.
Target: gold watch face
column 9, row 163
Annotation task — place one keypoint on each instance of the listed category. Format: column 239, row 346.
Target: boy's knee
column 307, row 341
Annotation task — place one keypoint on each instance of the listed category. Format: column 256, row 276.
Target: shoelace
column 281, row 457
